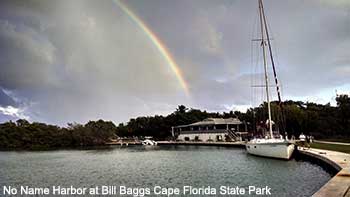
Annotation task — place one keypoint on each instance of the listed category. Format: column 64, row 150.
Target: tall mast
column 274, row 71
column 265, row 65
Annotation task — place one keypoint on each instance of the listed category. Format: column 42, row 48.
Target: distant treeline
column 322, row 121
column 24, row 135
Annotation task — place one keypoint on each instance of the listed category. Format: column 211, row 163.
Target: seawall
column 339, row 185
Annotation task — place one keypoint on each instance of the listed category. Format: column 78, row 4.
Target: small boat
column 269, row 145
column 149, row 142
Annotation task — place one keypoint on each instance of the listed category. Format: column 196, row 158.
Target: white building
column 210, row 129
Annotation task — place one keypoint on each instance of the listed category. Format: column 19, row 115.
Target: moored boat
column 269, row 146
column 274, row 148
column 149, row 142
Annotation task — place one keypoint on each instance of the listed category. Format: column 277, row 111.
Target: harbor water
column 163, row 166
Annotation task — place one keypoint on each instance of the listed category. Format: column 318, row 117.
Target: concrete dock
column 124, row 143
column 199, row 143
column 339, row 185
column 227, row 144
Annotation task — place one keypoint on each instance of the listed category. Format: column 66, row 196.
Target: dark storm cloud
column 79, row 60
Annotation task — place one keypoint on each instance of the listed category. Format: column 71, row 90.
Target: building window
column 221, row 126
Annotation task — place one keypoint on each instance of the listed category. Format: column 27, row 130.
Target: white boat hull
column 148, row 142
column 280, row 150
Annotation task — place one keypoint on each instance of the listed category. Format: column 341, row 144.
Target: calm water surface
column 173, row 166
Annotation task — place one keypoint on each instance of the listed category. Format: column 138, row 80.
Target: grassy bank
column 334, row 147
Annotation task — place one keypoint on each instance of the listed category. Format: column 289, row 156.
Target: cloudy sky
column 65, row 61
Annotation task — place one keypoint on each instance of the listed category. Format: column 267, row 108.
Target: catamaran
column 269, row 146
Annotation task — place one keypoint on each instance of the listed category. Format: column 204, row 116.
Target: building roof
column 214, row 121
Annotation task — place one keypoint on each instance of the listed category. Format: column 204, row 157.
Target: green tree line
column 24, row 135
column 322, row 121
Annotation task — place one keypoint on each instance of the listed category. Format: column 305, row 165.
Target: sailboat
column 269, row 146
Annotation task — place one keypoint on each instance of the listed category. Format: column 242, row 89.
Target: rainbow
column 159, row 45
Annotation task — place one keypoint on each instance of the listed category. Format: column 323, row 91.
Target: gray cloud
column 88, row 64
column 79, row 60
column 26, row 58
column 5, row 99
